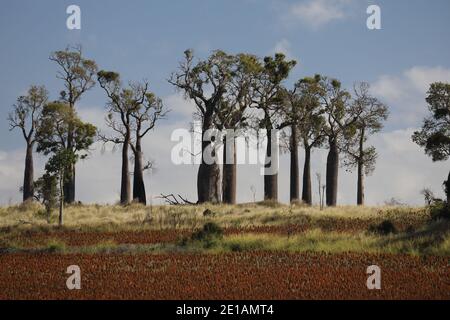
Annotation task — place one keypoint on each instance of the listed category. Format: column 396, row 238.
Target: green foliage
column 439, row 210
column 208, row 213
column 59, row 161
column 367, row 115
column 208, row 235
column 205, row 82
column 107, row 76
column 60, row 125
column 27, row 111
column 55, row 246
column 269, row 94
column 46, row 188
column 63, row 136
column 76, row 71
column 277, row 68
column 335, row 102
column 384, row 228
column 306, row 113
column 434, row 136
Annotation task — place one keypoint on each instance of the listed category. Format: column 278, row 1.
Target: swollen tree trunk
column 229, row 172
column 447, row 190
column 270, row 180
column 138, row 182
column 125, row 189
column 69, row 185
column 332, row 174
column 208, row 177
column 294, row 179
column 28, row 185
column 306, row 191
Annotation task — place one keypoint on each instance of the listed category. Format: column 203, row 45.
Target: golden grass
column 332, row 242
column 422, row 242
column 426, row 238
column 114, row 217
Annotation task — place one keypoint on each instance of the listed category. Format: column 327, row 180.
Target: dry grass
column 135, row 216
column 433, row 239
column 333, row 230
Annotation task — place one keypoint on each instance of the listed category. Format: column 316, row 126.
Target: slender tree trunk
column 332, row 174
column 208, row 177
column 294, row 179
column 61, row 198
column 229, row 172
column 138, row 181
column 307, row 191
column 360, row 193
column 125, row 189
column 28, row 177
column 270, row 180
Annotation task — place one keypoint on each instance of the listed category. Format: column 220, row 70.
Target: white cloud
column 316, row 13
column 285, row 47
column 94, row 115
column 405, row 94
column 179, row 106
column 390, row 88
column 422, row 77
column 403, row 169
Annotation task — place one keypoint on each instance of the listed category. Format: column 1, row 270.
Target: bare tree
column 145, row 116
column 25, row 116
column 205, row 83
column 306, row 117
column 122, row 102
column 369, row 114
column 232, row 117
column 78, row 76
column 269, row 94
column 334, row 100
column 290, row 142
column 133, row 112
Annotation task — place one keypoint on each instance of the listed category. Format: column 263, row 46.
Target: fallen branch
column 173, row 200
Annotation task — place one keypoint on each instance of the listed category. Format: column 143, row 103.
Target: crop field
column 251, row 251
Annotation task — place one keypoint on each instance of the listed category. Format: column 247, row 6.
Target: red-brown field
column 264, row 253
column 85, row 238
column 251, row 275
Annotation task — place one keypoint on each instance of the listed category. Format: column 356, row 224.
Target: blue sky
column 146, row 39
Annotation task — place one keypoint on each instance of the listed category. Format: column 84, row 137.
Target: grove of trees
column 233, row 93
column 59, row 133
